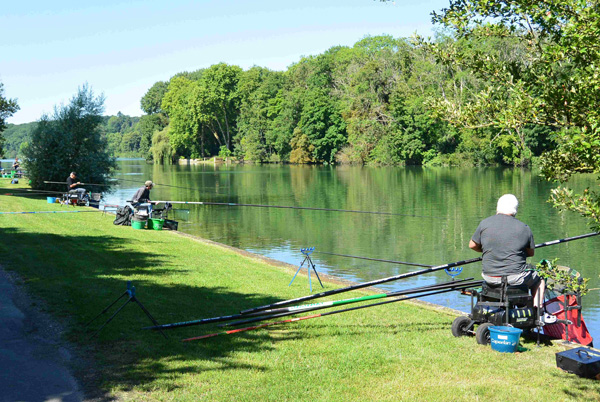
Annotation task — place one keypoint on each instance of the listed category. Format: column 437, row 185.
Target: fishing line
column 273, row 206
column 401, row 276
column 231, row 204
column 374, row 259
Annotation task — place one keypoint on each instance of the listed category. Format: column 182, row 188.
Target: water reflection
column 450, row 203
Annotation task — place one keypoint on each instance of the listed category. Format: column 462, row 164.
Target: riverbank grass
column 78, row 263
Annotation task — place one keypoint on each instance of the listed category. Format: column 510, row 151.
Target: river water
column 441, row 207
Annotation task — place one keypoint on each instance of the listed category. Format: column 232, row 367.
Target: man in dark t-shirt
column 506, row 242
column 142, row 195
column 73, row 186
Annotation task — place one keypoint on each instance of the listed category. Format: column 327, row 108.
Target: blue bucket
column 505, row 339
column 51, row 200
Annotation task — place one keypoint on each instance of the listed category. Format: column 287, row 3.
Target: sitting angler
column 141, row 200
column 73, row 186
column 142, row 195
column 506, row 242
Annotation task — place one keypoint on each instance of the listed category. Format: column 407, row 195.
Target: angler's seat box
column 582, row 361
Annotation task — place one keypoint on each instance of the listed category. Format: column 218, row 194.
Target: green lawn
column 80, row 262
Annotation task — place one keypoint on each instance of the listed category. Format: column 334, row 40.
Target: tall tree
column 549, row 75
column 8, row 107
column 152, row 100
column 68, row 141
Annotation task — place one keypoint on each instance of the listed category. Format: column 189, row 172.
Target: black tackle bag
column 123, row 216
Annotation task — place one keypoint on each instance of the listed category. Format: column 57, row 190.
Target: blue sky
column 121, row 48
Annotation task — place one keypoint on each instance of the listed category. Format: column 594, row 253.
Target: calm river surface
column 448, row 202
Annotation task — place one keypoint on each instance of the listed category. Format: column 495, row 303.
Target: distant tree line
column 379, row 102
column 383, row 101
column 372, row 103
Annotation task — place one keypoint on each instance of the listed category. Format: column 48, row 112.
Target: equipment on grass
column 267, row 314
column 233, row 331
column 581, row 361
column 497, row 305
column 123, row 216
column 310, row 265
column 456, row 285
column 569, row 325
column 132, row 298
column 74, row 199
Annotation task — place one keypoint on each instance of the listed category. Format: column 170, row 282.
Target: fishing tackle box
column 582, row 361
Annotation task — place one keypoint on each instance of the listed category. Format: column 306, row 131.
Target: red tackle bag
column 578, row 334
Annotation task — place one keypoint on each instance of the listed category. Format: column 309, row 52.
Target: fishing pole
column 163, row 185
column 81, row 184
column 231, row 204
column 26, row 190
column 374, row 259
column 233, row 331
column 43, row 212
column 302, row 308
column 319, row 306
column 33, row 193
column 401, row 276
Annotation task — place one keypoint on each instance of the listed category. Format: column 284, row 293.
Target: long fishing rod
column 449, row 285
column 231, row 204
column 81, row 184
column 158, row 184
column 302, row 308
column 33, row 193
column 43, row 212
column 26, row 190
column 374, row 259
column 401, row 276
column 233, row 331
column 271, row 206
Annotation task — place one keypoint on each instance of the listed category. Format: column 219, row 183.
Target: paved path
column 32, row 361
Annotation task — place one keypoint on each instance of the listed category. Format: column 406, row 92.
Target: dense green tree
column 162, row 151
column 68, row 141
column 152, row 100
column 8, row 107
column 185, row 125
column 14, row 136
column 147, row 126
column 217, row 102
column 257, row 89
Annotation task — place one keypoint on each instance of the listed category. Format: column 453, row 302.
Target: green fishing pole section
column 233, row 331
column 279, row 312
column 456, row 285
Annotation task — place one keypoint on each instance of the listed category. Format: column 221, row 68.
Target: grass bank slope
column 78, row 263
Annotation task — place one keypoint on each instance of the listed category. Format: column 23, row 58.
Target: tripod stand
column 307, row 252
column 132, row 298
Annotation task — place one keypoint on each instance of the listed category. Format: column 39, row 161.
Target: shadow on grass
column 78, row 276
